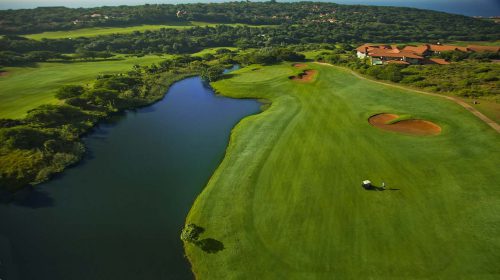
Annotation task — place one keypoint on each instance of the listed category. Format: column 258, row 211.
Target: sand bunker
column 305, row 76
column 299, row 65
column 411, row 126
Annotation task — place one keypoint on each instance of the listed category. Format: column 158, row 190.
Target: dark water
column 118, row 215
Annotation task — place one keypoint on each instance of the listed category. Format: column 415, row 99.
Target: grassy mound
column 286, row 201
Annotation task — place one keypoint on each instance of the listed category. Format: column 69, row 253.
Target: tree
column 69, row 91
column 190, row 233
column 212, row 73
column 23, row 137
column 103, row 97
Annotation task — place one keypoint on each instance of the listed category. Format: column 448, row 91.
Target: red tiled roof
column 445, row 48
column 370, row 47
column 438, row 61
column 397, row 62
column 362, row 48
column 391, row 53
column 420, row 50
column 476, row 48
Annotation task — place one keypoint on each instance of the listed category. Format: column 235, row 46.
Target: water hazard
column 119, row 213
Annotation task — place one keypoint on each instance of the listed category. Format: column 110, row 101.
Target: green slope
column 286, row 202
column 25, row 88
column 98, row 31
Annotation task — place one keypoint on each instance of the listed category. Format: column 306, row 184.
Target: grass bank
column 287, row 202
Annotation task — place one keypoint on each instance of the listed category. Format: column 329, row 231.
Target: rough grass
column 287, row 203
column 25, row 88
column 213, row 50
column 97, row 31
column 490, row 108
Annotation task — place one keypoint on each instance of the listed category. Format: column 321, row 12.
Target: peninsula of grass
column 98, row 31
column 287, row 203
column 24, row 88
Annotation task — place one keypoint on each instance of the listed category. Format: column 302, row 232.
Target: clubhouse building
column 387, row 54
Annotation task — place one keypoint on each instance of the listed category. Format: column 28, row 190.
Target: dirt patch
column 411, row 126
column 299, row 65
column 4, row 73
column 305, row 76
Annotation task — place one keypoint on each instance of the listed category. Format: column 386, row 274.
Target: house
column 383, row 54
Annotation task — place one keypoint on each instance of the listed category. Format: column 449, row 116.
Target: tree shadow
column 228, row 76
column 28, row 197
column 191, row 234
column 210, row 245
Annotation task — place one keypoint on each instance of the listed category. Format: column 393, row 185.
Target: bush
column 57, row 115
column 69, row 91
column 191, row 233
column 212, row 73
column 22, row 137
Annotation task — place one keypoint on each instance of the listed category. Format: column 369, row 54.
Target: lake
column 119, row 213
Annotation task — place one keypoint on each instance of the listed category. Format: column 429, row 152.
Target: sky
column 466, row 7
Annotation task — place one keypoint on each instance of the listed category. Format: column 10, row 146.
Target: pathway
column 468, row 107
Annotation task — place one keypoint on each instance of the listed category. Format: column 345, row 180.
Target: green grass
column 489, row 108
column 213, row 50
column 287, row 203
column 25, row 88
column 97, row 31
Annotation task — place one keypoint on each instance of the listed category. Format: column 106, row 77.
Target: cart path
column 468, row 107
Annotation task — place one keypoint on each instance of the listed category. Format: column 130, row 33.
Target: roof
column 393, row 53
column 420, row 50
column 438, row 61
column 363, row 47
column 476, row 48
column 446, row 48
column 397, row 62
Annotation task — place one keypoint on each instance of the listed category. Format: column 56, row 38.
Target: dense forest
column 299, row 24
column 363, row 22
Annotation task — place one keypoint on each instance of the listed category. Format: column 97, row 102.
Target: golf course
column 286, row 202
column 102, row 31
column 24, row 88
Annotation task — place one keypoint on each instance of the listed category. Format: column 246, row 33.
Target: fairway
column 287, row 203
column 97, row 31
column 25, row 88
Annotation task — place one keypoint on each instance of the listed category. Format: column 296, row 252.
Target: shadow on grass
column 210, row 245
column 380, row 189
column 228, row 76
column 191, row 234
